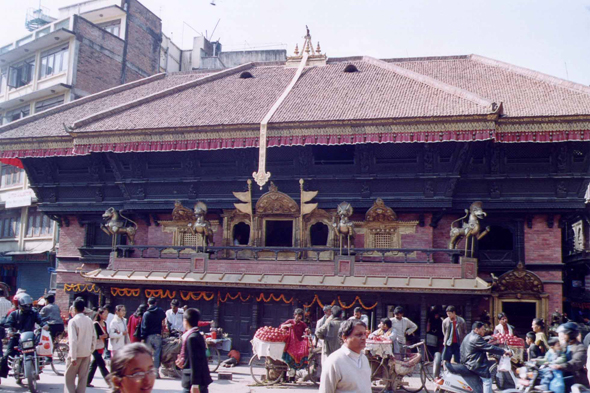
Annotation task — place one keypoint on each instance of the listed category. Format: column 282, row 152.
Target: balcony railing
column 383, row 255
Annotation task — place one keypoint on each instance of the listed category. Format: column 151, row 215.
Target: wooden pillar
column 379, row 314
column 423, row 317
column 468, row 311
column 254, row 321
column 216, row 313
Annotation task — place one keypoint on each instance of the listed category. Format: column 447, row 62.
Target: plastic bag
column 45, row 346
column 504, row 364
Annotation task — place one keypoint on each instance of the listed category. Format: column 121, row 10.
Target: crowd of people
column 104, row 338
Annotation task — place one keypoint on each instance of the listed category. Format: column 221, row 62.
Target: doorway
column 520, row 315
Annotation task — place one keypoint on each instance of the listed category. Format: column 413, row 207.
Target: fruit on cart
column 507, row 339
column 268, row 333
column 378, row 339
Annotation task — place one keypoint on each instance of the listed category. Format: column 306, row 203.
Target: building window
column 9, row 224
column 21, row 74
column 17, row 114
column 38, row 224
column 241, row 234
column 318, row 234
column 11, row 176
column 54, row 61
column 95, row 236
column 279, row 233
column 113, row 27
column 499, row 238
column 333, row 155
column 2, row 80
column 41, row 106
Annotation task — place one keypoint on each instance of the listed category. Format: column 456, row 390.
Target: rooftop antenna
column 215, row 28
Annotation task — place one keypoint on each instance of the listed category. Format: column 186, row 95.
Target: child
column 552, row 380
column 533, row 350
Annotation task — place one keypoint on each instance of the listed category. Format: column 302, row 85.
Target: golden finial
column 318, row 50
column 307, row 45
column 296, row 49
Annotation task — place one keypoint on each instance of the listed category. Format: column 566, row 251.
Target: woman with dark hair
column 132, row 370
column 134, row 323
column 540, row 337
column 100, row 327
column 502, row 327
column 297, row 347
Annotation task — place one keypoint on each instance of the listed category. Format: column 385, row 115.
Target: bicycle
column 389, row 373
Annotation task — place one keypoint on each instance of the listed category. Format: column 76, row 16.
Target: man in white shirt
column 359, row 316
column 82, row 341
column 348, row 369
column 174, row 317
column 5, row 304
column 403, row 326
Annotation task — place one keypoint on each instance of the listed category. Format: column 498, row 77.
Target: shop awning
column 291, row 281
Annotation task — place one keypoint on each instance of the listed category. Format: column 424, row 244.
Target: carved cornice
column 275, row 202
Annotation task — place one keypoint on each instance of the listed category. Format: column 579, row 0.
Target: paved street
column 241, row 383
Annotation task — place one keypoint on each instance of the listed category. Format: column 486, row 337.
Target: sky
column 550, row 36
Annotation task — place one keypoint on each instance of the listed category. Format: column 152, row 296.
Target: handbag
column 431, row 340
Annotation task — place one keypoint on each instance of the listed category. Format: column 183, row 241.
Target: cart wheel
column 266, row 371
column 214, row 359
column 380, row 377
column 418, row 375
column 313, row 369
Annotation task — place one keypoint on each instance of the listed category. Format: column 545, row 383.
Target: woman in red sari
column 135, row 323
column 297, row 348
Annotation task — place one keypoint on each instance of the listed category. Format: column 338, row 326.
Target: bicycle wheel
column 54, row 369
column 61, row 350
column 380, row 377
column 416, row 380
column 266, row 371
column 214, row 359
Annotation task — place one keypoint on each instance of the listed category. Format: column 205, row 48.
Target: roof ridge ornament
column 316, row 58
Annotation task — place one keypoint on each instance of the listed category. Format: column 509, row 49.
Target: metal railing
column 383, row 255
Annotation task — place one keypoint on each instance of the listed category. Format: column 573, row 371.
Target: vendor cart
column 171, row 349
column 388, row 370
column 267, row 366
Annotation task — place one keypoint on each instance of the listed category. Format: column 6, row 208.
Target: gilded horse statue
column 115, row 223
column 470, row 229
column 201, row 227
column 343, row 226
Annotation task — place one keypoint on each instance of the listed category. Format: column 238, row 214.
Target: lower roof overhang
column 475, row 286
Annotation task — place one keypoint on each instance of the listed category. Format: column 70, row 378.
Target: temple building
column 354, row 181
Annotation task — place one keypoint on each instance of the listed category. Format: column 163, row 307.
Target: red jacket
column 132, row 324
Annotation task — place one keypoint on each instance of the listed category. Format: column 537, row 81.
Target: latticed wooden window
column 382, row 240
column 188, row 239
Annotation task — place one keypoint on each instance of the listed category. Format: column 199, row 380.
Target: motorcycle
column 456, row 378
column 26, row 364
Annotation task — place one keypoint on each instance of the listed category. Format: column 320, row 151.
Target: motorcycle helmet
column 25, row 302
column 571, row 329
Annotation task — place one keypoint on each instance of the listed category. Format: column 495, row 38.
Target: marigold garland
column 317, row 299
column 351, row 305
column 275, row 298
column 125, row 292
column 160, row 293
column 208, row 296
column 81, row 288
column 227, row 295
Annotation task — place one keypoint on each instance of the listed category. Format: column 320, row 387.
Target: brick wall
column 144, row 35
column 99, row 58
column 70, row 238
column 541, row 243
